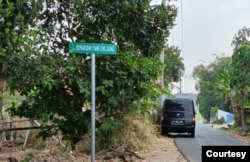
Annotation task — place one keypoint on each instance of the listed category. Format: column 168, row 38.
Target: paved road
column 205, row 135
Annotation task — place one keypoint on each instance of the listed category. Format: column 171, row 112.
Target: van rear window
column 180, row 105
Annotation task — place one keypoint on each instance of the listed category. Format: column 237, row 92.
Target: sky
column 204, row 29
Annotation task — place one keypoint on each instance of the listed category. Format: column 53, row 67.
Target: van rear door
column 178, row 112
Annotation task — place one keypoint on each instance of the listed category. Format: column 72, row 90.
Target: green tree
column 224, row 72
column 57, row 84
column 213, row 111
column 213, row 86
column 204, row 98
column 241, row 37
column 174, row 66
column 16, row 17
column 239, row 80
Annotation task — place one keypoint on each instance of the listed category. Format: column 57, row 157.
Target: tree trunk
column 237, row 116
column 1, row 101
column 236, row 112
column 244, row 121
column 73, row 146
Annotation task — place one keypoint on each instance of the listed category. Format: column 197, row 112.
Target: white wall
column 225, row 115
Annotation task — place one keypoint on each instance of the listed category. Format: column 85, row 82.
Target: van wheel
column 192, row 133
column 164, row 132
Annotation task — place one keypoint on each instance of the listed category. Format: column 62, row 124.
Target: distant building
column 229, row 117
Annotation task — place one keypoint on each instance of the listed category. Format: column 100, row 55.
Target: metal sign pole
column 94, row 48
column 92, row 107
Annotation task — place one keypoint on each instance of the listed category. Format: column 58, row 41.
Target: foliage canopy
column 57, row 84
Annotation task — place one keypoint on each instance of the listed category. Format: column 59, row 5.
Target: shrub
column 220, row 121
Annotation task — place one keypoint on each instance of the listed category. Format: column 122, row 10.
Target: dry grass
column 140, row 133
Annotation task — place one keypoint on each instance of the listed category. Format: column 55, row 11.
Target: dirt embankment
column 165, row 152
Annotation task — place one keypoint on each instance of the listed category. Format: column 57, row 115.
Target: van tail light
column 162, row 116
column 193, row 117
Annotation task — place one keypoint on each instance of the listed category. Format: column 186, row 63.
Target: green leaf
column 108, row 83
column 101, row 89
column 6, row 30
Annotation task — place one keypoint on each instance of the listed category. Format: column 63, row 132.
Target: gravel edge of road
column 180, row 152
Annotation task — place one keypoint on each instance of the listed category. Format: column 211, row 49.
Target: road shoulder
column 166, row 152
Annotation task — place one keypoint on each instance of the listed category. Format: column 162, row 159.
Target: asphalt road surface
column 205, row 136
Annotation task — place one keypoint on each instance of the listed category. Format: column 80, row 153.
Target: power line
column 182, row 50
column 172, row 34
column 182, row 30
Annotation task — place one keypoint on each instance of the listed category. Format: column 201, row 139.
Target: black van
column 178, row 115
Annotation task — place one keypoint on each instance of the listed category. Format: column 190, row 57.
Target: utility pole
column 163, row 2
column 180, row 85
column 161, row 97
column 181, row 43
column 162, row 52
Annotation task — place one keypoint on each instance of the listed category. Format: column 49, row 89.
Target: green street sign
column 93, row 48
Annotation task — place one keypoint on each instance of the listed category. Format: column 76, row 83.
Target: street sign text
column 90, row 48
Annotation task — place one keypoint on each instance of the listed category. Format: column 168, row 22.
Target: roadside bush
column 134, row 130
column 107, row 132
column 220, row 121
column 138, row 132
